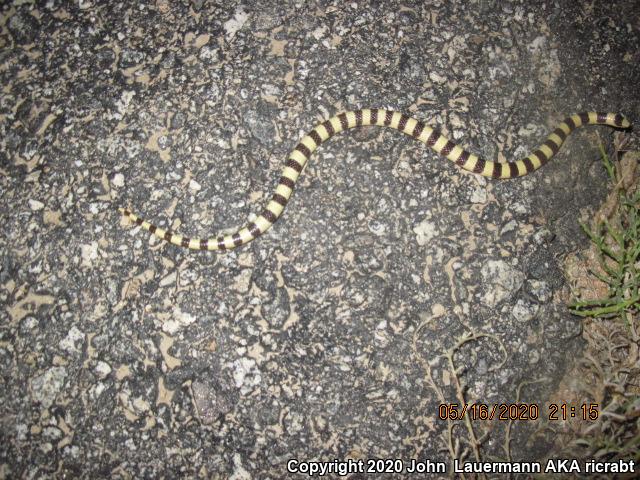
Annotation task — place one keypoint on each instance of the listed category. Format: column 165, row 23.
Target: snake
column 415, row 128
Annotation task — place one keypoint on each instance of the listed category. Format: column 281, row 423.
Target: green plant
column 611, row 362
column 618, row 246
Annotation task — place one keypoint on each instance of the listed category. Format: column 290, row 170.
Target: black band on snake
column 383, row 118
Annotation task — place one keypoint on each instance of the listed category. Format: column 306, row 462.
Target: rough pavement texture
column 124, row 357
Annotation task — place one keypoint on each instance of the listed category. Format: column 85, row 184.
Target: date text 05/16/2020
column 517, row 411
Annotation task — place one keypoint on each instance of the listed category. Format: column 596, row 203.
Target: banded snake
column 387, row 118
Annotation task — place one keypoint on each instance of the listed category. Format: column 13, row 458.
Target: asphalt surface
column 124, row 357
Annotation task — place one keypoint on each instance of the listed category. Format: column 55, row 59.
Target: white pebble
column 479, row 195
column 102, row 369
column 437, row 78
column 35, row 205
column 118, row 180
column 425, row 231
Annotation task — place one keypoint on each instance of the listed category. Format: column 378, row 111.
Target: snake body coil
column 384, row 118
